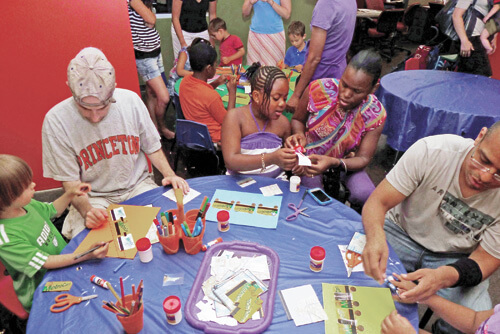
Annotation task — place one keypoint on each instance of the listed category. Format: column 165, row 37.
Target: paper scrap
column 187, row 198
column 246, row 182
column 57, row 286
column 271, row 190
column 343, row 250
column 173, row 279
column 303, row 305
column 303, row 160
column 357, row 243
column 151, row 235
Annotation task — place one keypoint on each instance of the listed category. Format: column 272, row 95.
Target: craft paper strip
column 246, row 208
column 362, row 312
column 137, row 223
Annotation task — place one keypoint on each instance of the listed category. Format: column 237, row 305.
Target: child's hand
column 220, row 80
column 100, row 252
column 225, row 60
column 298, row 68
column 79, row 189
column 395, row 323
column 231, row 84
column 285, row 158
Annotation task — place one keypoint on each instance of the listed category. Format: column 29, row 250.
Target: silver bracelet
column 343, row 165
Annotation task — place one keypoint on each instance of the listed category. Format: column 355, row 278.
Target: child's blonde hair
column 15, row 177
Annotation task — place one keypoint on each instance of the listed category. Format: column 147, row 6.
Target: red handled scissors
column 64, row 301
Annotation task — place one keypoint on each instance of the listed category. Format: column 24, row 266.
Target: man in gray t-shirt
column 439, row 209
column 101, row 136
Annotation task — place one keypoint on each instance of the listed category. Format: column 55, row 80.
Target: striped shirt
column 145, row 39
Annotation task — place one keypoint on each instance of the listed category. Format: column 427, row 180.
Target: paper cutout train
column 245, row 208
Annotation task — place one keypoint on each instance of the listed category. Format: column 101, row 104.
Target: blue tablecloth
column 328, row 226
column 422, row 103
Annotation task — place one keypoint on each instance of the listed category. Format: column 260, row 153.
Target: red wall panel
column 38, row 39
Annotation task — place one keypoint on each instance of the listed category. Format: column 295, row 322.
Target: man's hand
column 395, row 323
column 429, row 282
column 95, row 217
column 296, row 139
column 375, row 255
column 176, row 183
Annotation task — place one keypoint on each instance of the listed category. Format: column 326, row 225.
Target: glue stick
column 211, row 243
column 99, row 281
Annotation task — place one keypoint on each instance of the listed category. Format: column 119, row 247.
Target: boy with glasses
column 439, row 209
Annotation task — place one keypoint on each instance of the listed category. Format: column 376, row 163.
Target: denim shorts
column 150, row 68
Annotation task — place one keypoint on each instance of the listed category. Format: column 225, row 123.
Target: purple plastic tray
column 240, row 248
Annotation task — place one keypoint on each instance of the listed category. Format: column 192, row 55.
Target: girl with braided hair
column 252, row 135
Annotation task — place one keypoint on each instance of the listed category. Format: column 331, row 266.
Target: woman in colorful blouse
column 339, row 123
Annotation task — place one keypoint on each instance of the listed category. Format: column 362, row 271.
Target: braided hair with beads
column 263, row 78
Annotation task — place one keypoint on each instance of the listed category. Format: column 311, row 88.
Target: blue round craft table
column 422, row 103
column 328, row 226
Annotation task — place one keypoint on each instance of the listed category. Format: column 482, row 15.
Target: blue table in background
column 328, row 227
column 423, row 103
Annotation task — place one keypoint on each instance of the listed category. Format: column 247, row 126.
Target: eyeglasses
column 482, row 167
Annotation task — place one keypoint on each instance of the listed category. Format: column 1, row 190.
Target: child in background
column 231, row 48
column 296, row 54
column 252, row 135
column 200, row 102
column 29, row 242
column 491, row 27
column 182, row 67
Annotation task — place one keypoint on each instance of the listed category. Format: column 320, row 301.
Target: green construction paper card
column 363, row 313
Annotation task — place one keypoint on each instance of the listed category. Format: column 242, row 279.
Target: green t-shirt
column 25, row 244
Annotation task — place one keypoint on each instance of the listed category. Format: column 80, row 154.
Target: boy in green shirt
column 29, row 242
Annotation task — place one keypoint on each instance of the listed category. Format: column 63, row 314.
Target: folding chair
column 8, row 297
column 196, row 148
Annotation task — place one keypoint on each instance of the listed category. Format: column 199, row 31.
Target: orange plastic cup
column 192, row 245
column 170, row 244
column 132, row 324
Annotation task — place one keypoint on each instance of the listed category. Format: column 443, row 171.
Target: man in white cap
column 101, row 136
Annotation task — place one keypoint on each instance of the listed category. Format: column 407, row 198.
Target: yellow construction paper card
column 241, row 98
column 57, row 286
column 136, row 223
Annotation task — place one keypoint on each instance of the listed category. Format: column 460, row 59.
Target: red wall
column 495, row 62
column 38, row 39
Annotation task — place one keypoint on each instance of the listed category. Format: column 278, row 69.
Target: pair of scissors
column 297, row 210
column 64, row 301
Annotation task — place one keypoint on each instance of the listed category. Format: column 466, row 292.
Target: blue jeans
column 413, row 257
column 150, row 68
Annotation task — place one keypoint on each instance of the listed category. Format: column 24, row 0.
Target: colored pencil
column 91, row 250
column 122, row 291
column 113, row 291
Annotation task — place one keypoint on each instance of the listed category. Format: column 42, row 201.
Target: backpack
column 445, row 21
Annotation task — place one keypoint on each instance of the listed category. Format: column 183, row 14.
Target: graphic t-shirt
column 110, row 155
column 25, row 245
column 435, row 214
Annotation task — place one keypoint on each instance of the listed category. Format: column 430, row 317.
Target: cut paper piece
column 355, row 309
column 173, row 279
column 343, row 251
column 246, row 182
column 57, row 286
column 241, row 98
column 246, row 208
column 133, row 224
column 151, row 235
column 271, row 190
column 126, row 242
column 187, row 198
column 303, row 160
column 302, row 305
column 357, row 243
column 118, row 213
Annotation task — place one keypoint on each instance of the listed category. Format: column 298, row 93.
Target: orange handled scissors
column 64, row 301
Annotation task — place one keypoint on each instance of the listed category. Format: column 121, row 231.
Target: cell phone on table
column 320, row 196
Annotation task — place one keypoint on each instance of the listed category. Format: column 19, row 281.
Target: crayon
column 119, row 266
